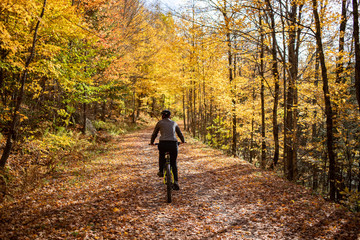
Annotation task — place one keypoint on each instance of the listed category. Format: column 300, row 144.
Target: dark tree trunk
column 314, row 134
column 252, row 128
column 184, row 109
column 138, row 106
column 262, row 97
column 284, row 45
column 84, row 114
column 275, row 73
column 359, row 178
column 227, row 19
column 188, row 110
column 315, row 183
column 328, row 109
column 340, row 64
column 193, row 115
column 233, row 100
column 357, row 50
column 133, row 113
column 340, row 79
column 20, row 93
column 290, row 151
column 103, row 111
column 205, row 112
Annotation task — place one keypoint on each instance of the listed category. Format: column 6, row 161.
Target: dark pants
column 172, row 148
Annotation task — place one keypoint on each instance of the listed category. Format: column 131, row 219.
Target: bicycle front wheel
column 168, row 183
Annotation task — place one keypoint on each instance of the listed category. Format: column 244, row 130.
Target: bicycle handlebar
column 158, row 143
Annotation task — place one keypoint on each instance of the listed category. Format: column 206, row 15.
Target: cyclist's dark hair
column 165, row 113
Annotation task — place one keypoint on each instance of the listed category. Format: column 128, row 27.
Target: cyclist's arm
column 155, row 133
column 179, row 133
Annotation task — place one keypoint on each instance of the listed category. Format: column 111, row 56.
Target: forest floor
column 119, row 196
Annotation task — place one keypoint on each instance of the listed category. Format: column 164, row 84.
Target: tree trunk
column 315, row 182
column 84, row 114
column 284, row 66
column 275, row 73
column 340, row 64
column 314, row 134
column 291, row 162
column 359, row 178
column 192, row 95
column 139, row 105
column 133, row 107
column 103, row 111
column 262, row 96
column 328, row 109
column 184, row 109
column 22, row 80
column 340, row 79
column 227, row 23
column 193, row 115
column 188, row 110
column 234, row 116
column 252, row 127
column 357, row 50
column 205, row 111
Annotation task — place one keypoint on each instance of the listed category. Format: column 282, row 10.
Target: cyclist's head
column 165, row 114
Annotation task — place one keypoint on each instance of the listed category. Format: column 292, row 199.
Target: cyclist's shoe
column 160, row 174
column 176, row 186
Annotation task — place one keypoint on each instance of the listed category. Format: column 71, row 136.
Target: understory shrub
column 35, row 158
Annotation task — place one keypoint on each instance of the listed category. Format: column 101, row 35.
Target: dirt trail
column 119, row 196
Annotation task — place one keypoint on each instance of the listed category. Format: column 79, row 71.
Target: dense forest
column 274, row 82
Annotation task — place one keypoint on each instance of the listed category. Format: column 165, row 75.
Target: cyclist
column 168, row 143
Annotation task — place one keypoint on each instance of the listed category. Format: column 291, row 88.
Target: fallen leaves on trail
column 119, row 196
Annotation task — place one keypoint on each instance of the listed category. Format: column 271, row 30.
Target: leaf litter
column 119, row 196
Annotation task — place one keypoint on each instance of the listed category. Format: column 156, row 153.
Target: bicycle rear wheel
column 168, row 182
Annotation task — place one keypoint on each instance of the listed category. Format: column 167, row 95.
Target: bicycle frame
column 168, row 176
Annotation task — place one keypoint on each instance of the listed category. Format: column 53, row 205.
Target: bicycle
column 168, row 176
